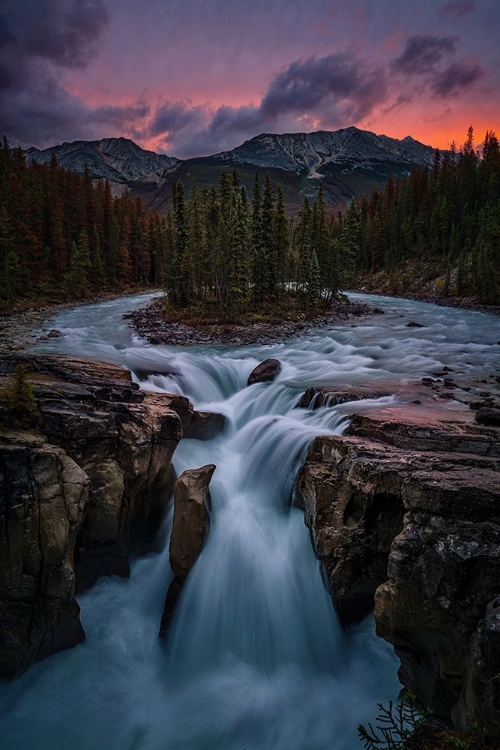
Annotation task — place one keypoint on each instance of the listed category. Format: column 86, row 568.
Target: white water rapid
column 255, row 659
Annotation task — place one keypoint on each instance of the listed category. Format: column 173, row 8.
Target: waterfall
column 255, row 659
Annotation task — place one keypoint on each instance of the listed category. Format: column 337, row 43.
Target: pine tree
column 76, row 280
column 10, row 265
column 281, row 240
column 19, row 402
column 238, row 287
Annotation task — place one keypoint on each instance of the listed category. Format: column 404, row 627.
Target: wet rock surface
column 265, row 372
column 189, row 529
column 205, row 425
column 318, row 396
column 404, row 510
column 123, row 439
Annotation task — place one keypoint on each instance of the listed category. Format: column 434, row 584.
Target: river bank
column 21, row 328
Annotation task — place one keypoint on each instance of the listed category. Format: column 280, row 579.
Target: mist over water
column 255, row 659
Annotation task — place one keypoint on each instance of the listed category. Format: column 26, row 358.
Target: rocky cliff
column 79, row 499
column 404, row 513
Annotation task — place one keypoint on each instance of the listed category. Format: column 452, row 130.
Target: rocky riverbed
column 149, row 323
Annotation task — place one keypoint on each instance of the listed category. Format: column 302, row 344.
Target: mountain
column 119, row 160
column 350, row 162
column 318, row 152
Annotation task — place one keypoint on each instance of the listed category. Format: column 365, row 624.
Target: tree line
column 61, row 235
column 446, row 217
column 231, row 253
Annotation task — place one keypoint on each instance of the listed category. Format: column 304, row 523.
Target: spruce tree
column 19, row 402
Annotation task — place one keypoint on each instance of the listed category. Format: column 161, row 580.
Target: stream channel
column 256, row 658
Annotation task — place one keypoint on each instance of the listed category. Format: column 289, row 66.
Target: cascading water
column 255, row 658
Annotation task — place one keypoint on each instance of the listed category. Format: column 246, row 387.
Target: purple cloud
column 39, row 41
column 456, row 78
column 457, row 8
column 422, row 53
column 335, row 88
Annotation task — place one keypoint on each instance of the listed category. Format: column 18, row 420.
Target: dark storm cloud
column 333, row 89
column 66, row 33
column 39, row 41
column 171, row 117
column 457, row 8
column 306, row 84
column 422, row 53
column 456, row 78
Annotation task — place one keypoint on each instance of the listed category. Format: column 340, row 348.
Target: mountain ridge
column 119, row 160
column 351, row 162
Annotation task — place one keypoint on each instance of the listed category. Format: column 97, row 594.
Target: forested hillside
column 61, row 236
column 440, row 221
column 226, row 252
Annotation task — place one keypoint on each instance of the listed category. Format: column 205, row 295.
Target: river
column 256, row 659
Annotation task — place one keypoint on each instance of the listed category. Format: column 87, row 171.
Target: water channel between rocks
column 256, row 659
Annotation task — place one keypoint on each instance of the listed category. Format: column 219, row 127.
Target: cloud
column 457, row 8
column 456, row 78
column 331, row 90
column 342, row 80
column 171, row 117
column 40, row 40
column 422, row 53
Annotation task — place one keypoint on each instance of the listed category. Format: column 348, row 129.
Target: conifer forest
column 64, row 236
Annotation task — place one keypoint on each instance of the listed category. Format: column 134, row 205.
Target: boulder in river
column 205, row 425
column 189, row 529
column 266, row 371
column 488, row 416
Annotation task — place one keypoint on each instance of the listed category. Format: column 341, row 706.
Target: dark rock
column 413, row 324
column 490, row 417
column 124, row 440
column 378, row 311
column 266, row 371
column 482, row 686
column 54, row 334
column 205, row 425
column 43, row 497
column 318, row 396
column 189, row 529
column 411, row 511
column 405, row 431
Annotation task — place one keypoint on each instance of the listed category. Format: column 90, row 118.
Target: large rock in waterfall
column 189, row 529
column 43, row 497
column 205, row 425
column 266, row 371
column 406, row 510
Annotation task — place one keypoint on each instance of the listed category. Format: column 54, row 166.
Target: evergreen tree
column 19, row 402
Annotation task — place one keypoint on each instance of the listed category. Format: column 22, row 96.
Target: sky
column 196, row 77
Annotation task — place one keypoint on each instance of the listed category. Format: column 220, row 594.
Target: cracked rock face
column 405, row 511
column 43, row 495
column 80, row 501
